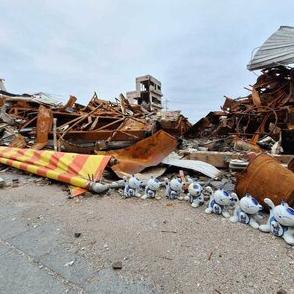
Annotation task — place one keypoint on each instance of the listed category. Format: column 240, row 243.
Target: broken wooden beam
column 222, row 159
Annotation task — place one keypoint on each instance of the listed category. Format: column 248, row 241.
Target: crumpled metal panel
column 145, row 153
column 173, row 122
column 196, row 165
column 266, row 177
column 278, row 49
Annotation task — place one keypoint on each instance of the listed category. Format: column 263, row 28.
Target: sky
column 198, row 49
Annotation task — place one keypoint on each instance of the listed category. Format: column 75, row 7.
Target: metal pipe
column 100, row 188
column 54, row 134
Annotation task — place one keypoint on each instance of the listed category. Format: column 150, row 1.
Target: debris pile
column 263, row 118
column 35, row 122
column 134, row 140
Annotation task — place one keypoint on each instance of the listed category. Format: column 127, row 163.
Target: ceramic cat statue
column 280, row 222
column 219, row 202
column 132, row 187
column 246, row 211
column 151, row 188
column 196, row 197
column 173, row 189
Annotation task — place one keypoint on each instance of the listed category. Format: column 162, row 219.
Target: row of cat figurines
column 247, row 210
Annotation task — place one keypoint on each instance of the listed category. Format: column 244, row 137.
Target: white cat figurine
column 280, row 222
column 196, row 197
column 174, row 189
column 151, row 188
column 219, row 201
column 246, row 211
column 132, row 187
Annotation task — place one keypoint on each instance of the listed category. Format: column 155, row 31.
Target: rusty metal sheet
column 173, row 122
column 145, row 153
column 134, row 125
column 266, row 177
column 44, row 126
column 291, row 165
column 2, row 101
column 255, row 97
column 70, row 102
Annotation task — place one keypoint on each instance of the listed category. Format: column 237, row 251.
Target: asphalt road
column 164, row 246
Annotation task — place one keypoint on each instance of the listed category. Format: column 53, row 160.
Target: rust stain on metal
column 70, row 102
column 291, row 165
column 255, row 97
column 2, row 101
column 266, row 177
column 145, row 153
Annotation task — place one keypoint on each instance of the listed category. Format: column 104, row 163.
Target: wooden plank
column 221, row 159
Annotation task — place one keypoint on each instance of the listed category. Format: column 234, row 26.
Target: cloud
column 198, row 49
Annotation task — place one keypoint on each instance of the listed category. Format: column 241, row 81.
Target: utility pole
column 166, row 103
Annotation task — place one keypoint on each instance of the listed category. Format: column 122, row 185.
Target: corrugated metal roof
column 45, row 98
column 278, row 49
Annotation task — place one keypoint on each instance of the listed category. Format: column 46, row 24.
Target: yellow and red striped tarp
column 71, row 168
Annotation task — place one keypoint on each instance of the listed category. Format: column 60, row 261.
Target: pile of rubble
column 264, row 119
column 36, row 122
column 133, row 134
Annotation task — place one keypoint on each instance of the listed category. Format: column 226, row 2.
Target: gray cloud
column 198, row 49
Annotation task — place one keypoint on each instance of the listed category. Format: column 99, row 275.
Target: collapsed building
column 147, row 94
column 37, row 121
column 146, row 135
column 264, row 118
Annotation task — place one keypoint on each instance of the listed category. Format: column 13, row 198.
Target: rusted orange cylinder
column 266, row 177
column 291, row 165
